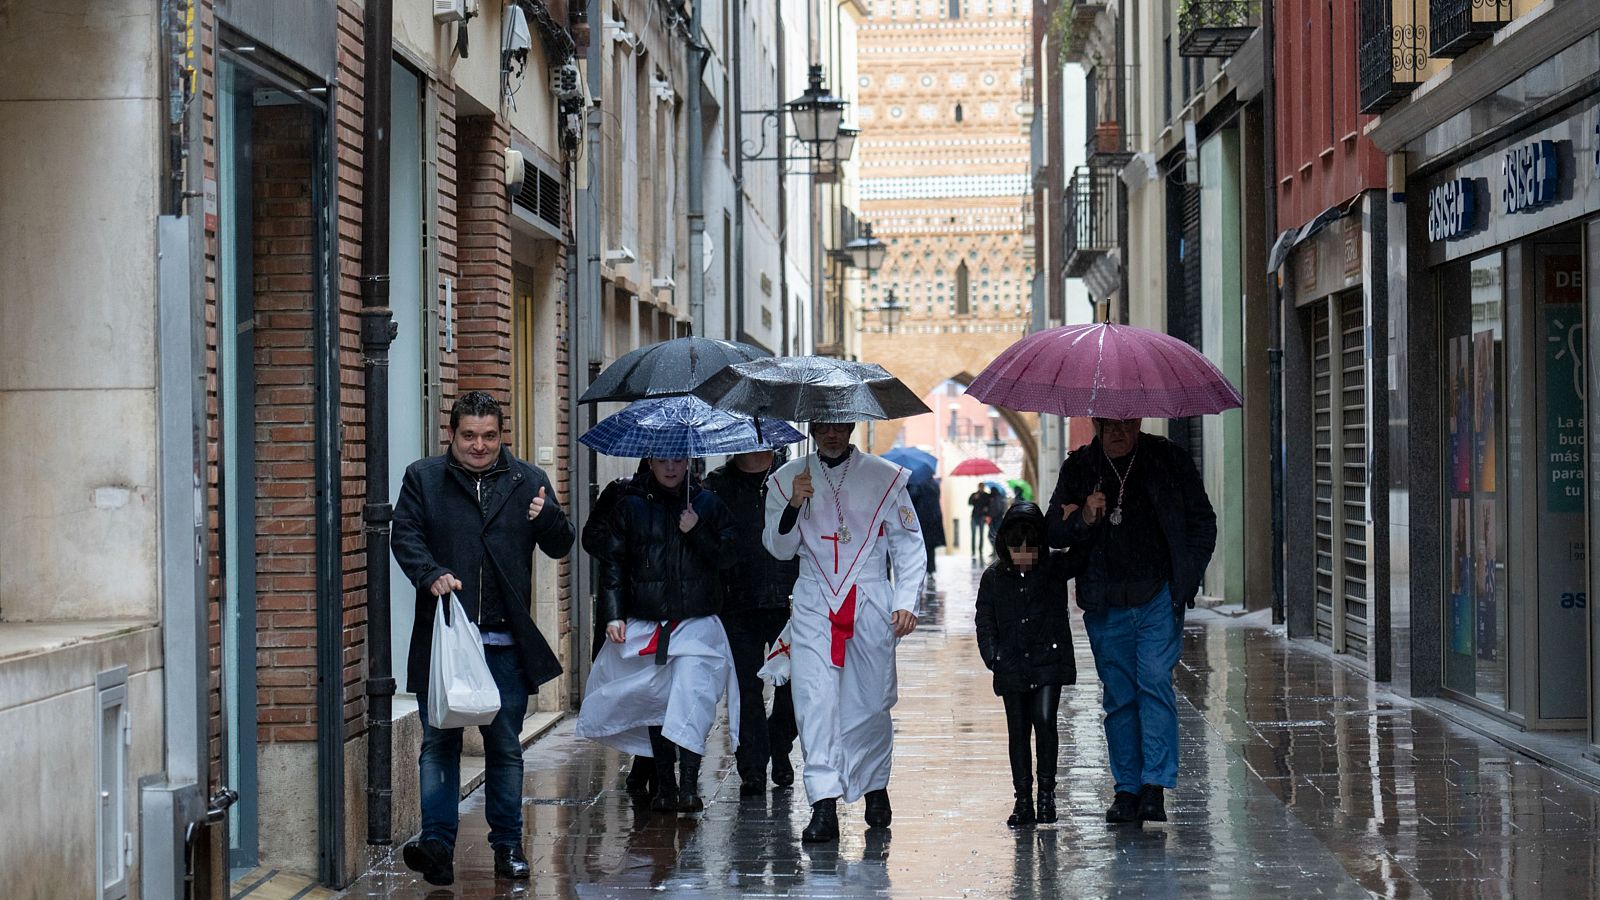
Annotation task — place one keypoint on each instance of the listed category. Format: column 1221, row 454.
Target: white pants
column 628, row 693
column 846, row 733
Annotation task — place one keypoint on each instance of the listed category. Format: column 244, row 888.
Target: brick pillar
column 483, row 226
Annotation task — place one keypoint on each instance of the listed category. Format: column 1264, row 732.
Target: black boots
column 1021, row 812
column 689, row 782
column 1152, row 804
column 1124, row 809
column 1047, row 802
column 510, row 863
column 641, row 778
column 878, row 812
column 824, row 825
column 432, row 859
column 666, row 753
column 782, row 769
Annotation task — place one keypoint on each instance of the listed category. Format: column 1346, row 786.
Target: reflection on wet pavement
column 1299, row 778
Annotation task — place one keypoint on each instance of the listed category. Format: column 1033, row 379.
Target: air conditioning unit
column 566, row 82
column 447, row 11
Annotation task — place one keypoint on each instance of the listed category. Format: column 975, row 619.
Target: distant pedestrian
column 978, row 519
column 1025, row 638
column 755, row 608
column 467, row 521
column 998, row 504
column 655, row 686
column 1136, row 515
column 929, row 506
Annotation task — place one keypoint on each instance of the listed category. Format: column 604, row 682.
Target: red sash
column 655, row 638
column 844, row 626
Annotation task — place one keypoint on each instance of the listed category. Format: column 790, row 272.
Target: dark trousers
column 761, row 737
column 979, row 529
column 1032, row 714
column 440, row 761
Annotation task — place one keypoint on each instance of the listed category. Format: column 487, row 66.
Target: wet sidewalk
column 1298, row 778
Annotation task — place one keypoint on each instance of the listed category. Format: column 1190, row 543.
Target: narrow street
column 1299, row 779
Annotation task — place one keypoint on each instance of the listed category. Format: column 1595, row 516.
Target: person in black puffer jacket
column 655, row 687
column 755, row 609
column 1025, row 638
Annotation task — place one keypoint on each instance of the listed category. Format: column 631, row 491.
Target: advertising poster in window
column 1461, row 610
column 1461, row 442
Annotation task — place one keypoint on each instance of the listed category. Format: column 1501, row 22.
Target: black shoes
column 878, row 812
column 641, row 778
column 510, row 863
column 753, row 786
column 1124, row 809
column 689, row 783
column 1047, row 804
column 1021, row 812
column 824, row 825
column 432, row 859
column 1152, row 805
column 782, row 771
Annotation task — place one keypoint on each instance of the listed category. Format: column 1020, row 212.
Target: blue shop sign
column 1531, row 172
column 1452, row 209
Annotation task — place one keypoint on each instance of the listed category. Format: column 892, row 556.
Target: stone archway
column 925, row 360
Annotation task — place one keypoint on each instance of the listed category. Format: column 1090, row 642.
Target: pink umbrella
column 1109, row 371
column 976, row 466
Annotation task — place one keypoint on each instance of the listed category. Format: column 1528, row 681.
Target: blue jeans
column 1134, row 652
column 440, row 762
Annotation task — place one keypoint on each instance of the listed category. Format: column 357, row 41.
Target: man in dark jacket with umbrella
column 1142, row 531
column 754, row 611
column 467, row 522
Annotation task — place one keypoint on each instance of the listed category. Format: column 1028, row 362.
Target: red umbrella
column 1110, row 371
column 976, row 466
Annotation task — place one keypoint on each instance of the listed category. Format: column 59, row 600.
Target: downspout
column 587, row 343
column 377, row 331
column 697, row 209
column 736, row 67
column 1274, row 305
column 783, row 183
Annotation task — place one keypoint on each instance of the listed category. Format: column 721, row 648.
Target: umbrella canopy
column 1109, row 371
column 995, row 486
column 1022, row 489
column 811, row 389
column 683, row 427
column 976, row 466
column 666, row 369
column 920, row 463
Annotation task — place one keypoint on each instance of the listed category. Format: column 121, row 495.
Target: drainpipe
column 783, row 182
column 735, row 329
column 1274, row 307
column 377, row 331
column 697, row 206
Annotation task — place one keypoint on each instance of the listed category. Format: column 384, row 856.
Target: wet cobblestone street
column 1299, row 778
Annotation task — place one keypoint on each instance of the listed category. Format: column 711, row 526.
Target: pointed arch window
column 963, row 301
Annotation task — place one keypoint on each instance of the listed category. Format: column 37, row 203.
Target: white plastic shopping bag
column 461, row 690
column 776, row 669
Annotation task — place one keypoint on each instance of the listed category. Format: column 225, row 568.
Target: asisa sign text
column 1530, row 174
column 1452, row 208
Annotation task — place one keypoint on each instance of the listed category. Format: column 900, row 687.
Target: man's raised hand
column 802, row 490
column 537, row 506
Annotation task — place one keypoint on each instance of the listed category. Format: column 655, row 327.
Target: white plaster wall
column 78, row 179
column 50, row 793
column 287, row 788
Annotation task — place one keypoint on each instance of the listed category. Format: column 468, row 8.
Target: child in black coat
column 1025, row 638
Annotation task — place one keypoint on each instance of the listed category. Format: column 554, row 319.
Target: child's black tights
column 1032, row 712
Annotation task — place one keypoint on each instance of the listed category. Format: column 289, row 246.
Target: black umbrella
column 811, row 389
column 667, row 369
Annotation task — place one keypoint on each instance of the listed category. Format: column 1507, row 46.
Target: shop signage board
column 1452, row 209
column 1530, row 174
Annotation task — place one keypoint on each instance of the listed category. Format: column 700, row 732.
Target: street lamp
column 996, row 445
column 845, row 145
column 889, row 313
column 866, row 252
column 816, row 114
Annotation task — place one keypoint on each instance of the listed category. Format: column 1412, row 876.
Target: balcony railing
column 1460, row 25
column 1091, row 218
column 1214, row 27
column 1393, row 51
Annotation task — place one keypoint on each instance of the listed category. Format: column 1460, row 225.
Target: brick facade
column 483, row 295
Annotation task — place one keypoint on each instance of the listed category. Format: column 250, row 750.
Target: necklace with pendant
column 838, row 509
column 1122, row 483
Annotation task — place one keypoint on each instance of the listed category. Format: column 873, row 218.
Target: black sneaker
column 432, row 859
column 1152, row 804
column 510, row 863
column 878, row 812
column 1124, row 809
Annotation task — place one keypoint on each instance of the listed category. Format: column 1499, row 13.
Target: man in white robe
column 847, row 515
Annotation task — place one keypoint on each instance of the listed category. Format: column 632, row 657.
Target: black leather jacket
column 1023, row 620
column 760, row 581
column 651, row 570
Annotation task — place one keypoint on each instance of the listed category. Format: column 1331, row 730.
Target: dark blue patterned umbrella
column 684, row 428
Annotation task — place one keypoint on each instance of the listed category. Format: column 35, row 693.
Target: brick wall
column 483, row 294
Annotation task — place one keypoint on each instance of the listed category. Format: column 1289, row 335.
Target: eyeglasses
column 1123, row 425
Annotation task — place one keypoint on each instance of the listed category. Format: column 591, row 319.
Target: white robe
column 627, row 692
column 846, row 733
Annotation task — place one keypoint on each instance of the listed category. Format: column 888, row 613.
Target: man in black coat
column 1135, row 513
column 467, row 522
column 754, row 610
